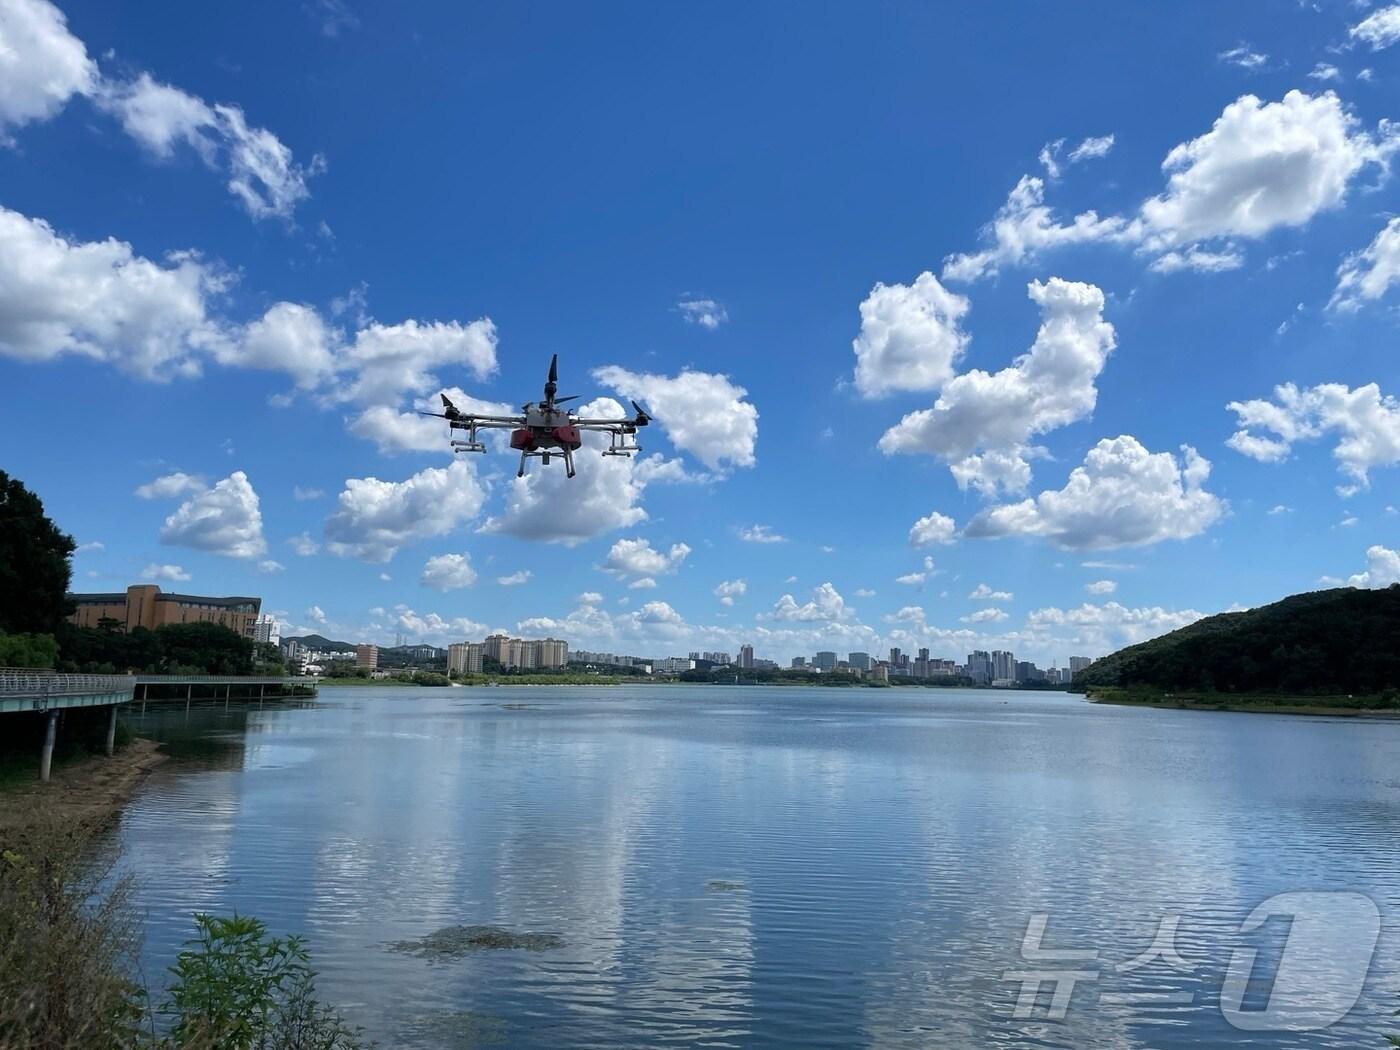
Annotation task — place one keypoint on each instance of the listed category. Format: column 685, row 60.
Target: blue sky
column 942, row 312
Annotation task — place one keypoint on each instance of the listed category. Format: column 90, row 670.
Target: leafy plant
column 237, row 987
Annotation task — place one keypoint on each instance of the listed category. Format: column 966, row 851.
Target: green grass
column 1272, row 703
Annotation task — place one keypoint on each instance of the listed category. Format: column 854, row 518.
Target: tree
column 34, row 567
column 210, row 647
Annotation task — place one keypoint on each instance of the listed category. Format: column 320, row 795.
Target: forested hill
column 1345, row 640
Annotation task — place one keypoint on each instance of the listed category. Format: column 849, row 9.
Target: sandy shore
column 89, row 792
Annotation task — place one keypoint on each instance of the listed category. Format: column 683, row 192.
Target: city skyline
column 927, row 369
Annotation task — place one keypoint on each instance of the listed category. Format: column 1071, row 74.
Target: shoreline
column 91, row 791
column 1249, row 707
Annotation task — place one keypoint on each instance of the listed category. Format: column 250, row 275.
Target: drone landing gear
column 619, row 446
column 566, row 454
column 471, row 444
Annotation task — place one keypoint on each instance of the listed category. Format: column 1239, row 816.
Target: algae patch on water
column 453, row 941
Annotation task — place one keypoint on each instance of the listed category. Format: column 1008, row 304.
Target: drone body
column 544, row 429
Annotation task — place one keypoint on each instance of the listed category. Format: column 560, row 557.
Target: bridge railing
column 22, row 681
column 222, row 679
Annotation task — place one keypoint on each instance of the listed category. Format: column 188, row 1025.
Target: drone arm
column 608, row 424
column 488, row 422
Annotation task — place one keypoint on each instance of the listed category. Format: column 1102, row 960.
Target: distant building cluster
column 522, row 654
column 596, row 659
column 997, row 668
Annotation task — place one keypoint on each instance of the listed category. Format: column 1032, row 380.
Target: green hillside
column 1341, row 641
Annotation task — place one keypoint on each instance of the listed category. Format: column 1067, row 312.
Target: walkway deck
column 28, row 691
column 25, row 690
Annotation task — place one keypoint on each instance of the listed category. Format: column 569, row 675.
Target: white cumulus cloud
column 1380, row 29
column 100, row 300
column 1382, row 568
column 1262, row 166
column 448, row 572
column 223, row 520
column 707, row 313
column 826, row 605
column 261, row 171
column 702, row 413
column 1365, row 422
column 729, row 591
column 935, row 528
column 42, row 64
column 991, row 614
column 910, row 337
column 1368, row 274
column 759, row 534
column 165, row 573
column 983, row 593
column 1121, row 496
column 172, row 486
column 982, row 422
column 1026, row 226
column 374, row 518
column 637, row 557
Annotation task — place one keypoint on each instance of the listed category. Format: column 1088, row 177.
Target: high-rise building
column 799, row 663
column 979, row 666
column 861, row 661
column 265, row 629
column 465, row 657
column 825, row 661
column 894, row 656
column 496, row 646
column 553, row 653
column 367, row 656
column 746, row 657
column 1077, row 664
column 1003, row 665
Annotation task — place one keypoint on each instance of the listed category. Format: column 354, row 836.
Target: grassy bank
column 1383, row 705
column 86, row 792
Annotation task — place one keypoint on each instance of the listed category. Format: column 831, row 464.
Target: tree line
column 1340, row 641
column 35, row 576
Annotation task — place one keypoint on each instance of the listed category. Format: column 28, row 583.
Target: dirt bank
column 90, row 792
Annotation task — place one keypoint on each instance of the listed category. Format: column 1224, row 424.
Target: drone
column 544, row 429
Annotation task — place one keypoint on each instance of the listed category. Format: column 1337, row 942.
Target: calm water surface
column 769, row 867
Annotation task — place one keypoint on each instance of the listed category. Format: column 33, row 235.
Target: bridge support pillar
column 112, row 731
column 46, row 756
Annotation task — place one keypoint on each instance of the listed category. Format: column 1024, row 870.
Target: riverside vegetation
column 69, row 978
column 1325, row 650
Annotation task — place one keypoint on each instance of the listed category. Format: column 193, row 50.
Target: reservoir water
column 780, row 867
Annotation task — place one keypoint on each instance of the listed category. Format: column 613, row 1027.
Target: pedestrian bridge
column 26, row 690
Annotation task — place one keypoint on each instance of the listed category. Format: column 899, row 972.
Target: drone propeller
column 642, row 417
column 449, row 410
column 554, row 369
column 571, row 397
